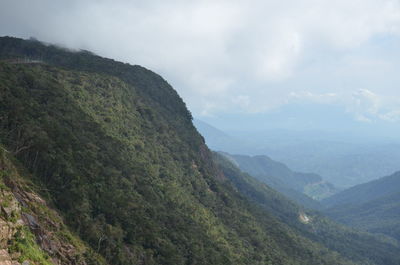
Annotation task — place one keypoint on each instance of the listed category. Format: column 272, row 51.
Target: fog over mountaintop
column 229, row 57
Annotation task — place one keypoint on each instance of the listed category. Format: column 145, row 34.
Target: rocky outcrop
column 28, row 223
column 45, row 228
column 5, row 258
column 10, row 223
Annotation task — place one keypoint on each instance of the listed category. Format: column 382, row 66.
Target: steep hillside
column 30, row 231
column 373, row 206
column 366, row 192
column 113, row 148
column 282, row 178
column 277, row 183
column 310, row 224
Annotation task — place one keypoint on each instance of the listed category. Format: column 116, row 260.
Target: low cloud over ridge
column 235, row 56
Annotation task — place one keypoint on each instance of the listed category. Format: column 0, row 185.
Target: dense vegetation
column 310, row 224
column 373, row 206
column 113, row 148
column 31, row 231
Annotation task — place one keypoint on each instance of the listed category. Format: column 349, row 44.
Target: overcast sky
column 231, row 56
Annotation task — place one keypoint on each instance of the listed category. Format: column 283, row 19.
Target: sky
column 245, row 58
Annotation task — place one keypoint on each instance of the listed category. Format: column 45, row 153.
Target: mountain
column 280, row 177
column 212, row 134
column 279, row 185
column 342, row 163
column 366, row 192
column 219, row 140
column 275, row 174
column 341, row 158
column 310, row 224
column 372, row 206
column 30, row 229
column 121, row 176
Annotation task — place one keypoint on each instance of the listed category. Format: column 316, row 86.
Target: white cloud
column 366, row 101
column 234, row 55
column 241, row 101
column 367, row 106
column 391, row 116
column 324, row 98
column 363, row 104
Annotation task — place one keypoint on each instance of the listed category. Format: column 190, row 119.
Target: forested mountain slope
column 30, row 230
column 310, row 224
column 373, row 206
column 280, row 177
column 113, row 148
column 278, row 183
column 366, row 192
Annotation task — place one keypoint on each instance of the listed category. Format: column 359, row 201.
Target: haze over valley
column 344, row 159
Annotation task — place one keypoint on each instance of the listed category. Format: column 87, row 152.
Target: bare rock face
column 9, row 205
column 12, row 217
column 5, row 233
column 5, row 258
column 9, row 224
column 9, row 214
column 30, row 220
column 22, row 208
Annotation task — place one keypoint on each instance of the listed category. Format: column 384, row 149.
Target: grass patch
column 25, row 244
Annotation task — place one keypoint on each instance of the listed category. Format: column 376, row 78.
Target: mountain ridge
column 281, row 177
column 367, row 191
column 341, row 158
column 113, row 148
column 373, row 206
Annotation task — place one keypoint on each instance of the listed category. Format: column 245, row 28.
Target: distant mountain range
column 343, row 159
column 221, row 141
column 308, row 223
column 300, row 187
column 373, row 206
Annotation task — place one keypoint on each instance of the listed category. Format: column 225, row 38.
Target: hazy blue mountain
column 219, row 140
column 366, row 192
column 373, row 206
column 212, row 135
column 344, row 164
column 343, row 158
column 279, row 185
column 282, row 178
